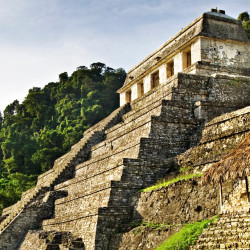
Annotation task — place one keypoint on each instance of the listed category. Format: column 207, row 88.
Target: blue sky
column 40, row 39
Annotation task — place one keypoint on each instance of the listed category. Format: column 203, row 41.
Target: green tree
column 12, row 187
column 49, row 121
column 244, row 18
column 1, row 120
column 63, row 77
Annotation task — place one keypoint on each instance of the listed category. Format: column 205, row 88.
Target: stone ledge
column 98, row 159
column 133, row 116
column 125, row 131
column 72, row 217
column 81, row 179
column 113, row 211
column 228, row 116
column 209, row 152
column 78, row 195
column 100, row 187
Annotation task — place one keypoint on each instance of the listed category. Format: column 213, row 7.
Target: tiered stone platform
column 230, row 231
column 85, row 196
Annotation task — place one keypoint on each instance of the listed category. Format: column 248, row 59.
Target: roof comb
column 213, row 10
column 221, row 11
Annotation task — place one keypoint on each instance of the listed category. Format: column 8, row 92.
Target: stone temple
column 171, row 116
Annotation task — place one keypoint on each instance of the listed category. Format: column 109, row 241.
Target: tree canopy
column 244, row 18
column 34, row 133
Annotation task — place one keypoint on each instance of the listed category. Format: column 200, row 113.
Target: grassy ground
column 186, row 236
column 165, row 183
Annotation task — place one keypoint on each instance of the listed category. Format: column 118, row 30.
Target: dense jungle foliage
column 49, row 121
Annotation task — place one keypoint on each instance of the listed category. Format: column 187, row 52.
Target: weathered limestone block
column 219, row 136
column 81, row 225
column 141, row 238
column 32, row 241
column 180, row 202
column 238, row 199
column 230, row 231
column 226, row 125
column 28, row 218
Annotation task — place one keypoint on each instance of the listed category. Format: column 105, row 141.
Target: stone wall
column 187, row 200
column 238, row 200
column 164, row 211
column 225, row 53
column 101, row 176
column 221, row 134
column 28, row 219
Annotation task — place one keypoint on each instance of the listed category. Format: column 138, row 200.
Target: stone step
column 127, row 128
column 150, row 109
column 223, row 232
column 110, row 153
column 166, row 108
column 232, row 220
column 226, row 238
column 235, row 215
column 92, row 195
column 105, row 162
column 229, row 226
column 161, row 148
column 145, row 175
column 147, row 163
column 81, row 203
column 232, row 245
column 92, row 134
column 138, row 171
column 177, row 109
column 210, row 133
column 87, row 186
column 96, row 187
column 121, row 142
column 93, row 175
column 19, row 207
column 86, row 220
column 146, row 105
column 230, row 231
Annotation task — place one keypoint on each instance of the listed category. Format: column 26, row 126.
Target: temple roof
column 209, row 24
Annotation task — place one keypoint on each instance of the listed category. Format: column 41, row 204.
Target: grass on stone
column 186, row 236
column 165, row 183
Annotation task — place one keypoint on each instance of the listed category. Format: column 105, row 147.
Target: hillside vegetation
column 245, row 20
column 49, row 121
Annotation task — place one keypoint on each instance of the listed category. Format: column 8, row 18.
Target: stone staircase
column 230, row 231
column 19, row 207
column 98, row 196
column 127, row 151
column 63, row 168
column 135, row 154
column 52, row 241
